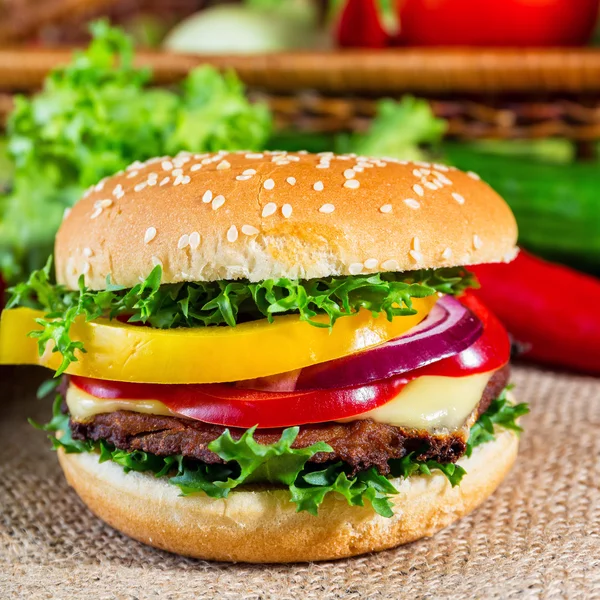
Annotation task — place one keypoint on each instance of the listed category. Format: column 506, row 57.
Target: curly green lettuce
column 279, row 463
column 225, row 302
column 94, row 117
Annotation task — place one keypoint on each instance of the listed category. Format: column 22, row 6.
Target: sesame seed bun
column 261, row 525
column 266, row 215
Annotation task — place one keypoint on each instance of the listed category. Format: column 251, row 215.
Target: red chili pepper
column 552, row 310
column 360, row 26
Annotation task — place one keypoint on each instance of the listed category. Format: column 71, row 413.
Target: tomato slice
column 224, row 404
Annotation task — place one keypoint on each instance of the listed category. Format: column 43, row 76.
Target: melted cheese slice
column 428, row 403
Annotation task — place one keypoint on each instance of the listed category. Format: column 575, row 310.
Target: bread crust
column 260, row 524
column 266, row 215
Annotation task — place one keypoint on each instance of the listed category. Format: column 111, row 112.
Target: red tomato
column 223, row 404
column 497, row 22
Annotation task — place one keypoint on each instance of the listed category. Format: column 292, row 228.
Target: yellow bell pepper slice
column 121, row 352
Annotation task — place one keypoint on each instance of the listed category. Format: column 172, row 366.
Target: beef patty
column 361, row 444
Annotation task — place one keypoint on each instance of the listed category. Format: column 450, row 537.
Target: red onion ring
column 447, row 330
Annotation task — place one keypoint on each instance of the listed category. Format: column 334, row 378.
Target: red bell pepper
column 551, row 310
column 360, row 26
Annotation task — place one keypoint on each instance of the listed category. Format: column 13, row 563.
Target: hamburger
column 273, row 356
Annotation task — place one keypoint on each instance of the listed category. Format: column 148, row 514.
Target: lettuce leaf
column 94, row 117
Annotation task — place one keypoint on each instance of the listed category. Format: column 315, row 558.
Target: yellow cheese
column 432, row 403
column 427, row 403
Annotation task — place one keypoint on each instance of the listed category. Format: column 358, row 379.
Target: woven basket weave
column 483, row 93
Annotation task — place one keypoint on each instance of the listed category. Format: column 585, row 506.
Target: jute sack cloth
column 537, row 537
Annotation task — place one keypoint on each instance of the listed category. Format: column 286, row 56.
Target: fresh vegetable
column 448, row 329
column 194, row 305
column 399, row 129
column 556, row 204
column 253, row 27
column 277, row 463
column 94, row 117
column 497, row 22
column 528, row 296
column 224, row 404
column 359, row 26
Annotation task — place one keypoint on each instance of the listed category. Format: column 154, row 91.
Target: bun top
column 263, row 215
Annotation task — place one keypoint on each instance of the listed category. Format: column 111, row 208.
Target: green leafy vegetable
column 248, row 462
column 95, row 116
column 398, row 130
column 501, row 413
column 225, row 302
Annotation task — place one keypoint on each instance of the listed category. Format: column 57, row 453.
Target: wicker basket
column 483, row 93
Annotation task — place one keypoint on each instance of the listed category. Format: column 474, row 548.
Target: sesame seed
column 86, row 268
column 349, row 174
column 386, row 208
column 425, row 171
column 66, row 213
column 269, row 209
column 186, row 179
column 151, row 182
column 318, row 186
column 417, row 173
column 195, row 167
column 156, row 261
column 291, row 180
column 99, row 186
column 184, row 241
column 254, row 155
column 390, row 265
column 416, row 244
column 294, row 158
column 286, row 210
column 430, row 185
column 164, row 181
column 352, row 184
column 371, row 263
column 218, row 202
column 269, row 184
column 132, row 174
column 103, row 203
column 224, row 164
column 327, row 208
column 381, row 163
column 442, row 178
column 358, row 169
column 282, row 162
column 417, row 189
column 303, row 152
column 140, row 186
column 167, row 165
column 96, row 213
column 416, row 255
column 473, row 175
column 149, row 235
column 477, row 243
column 232, row 234
column 206, row 161
column 87, row 252
column 178, row 180
column 194, row 240
column 355, row 268
column 439, row 167
column 249, row 230
column 412, row 203
column 207, row 197
column 243, row 177
column 458, row 198
column 249, row 172
column 177, row 172
column 447, row 253
column 323, row 166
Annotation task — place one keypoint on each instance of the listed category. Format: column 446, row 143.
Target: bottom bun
column 260, row 524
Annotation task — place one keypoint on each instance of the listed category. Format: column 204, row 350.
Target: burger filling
column 227, row 384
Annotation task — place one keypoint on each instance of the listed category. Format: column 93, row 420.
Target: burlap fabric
column 537, row 537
